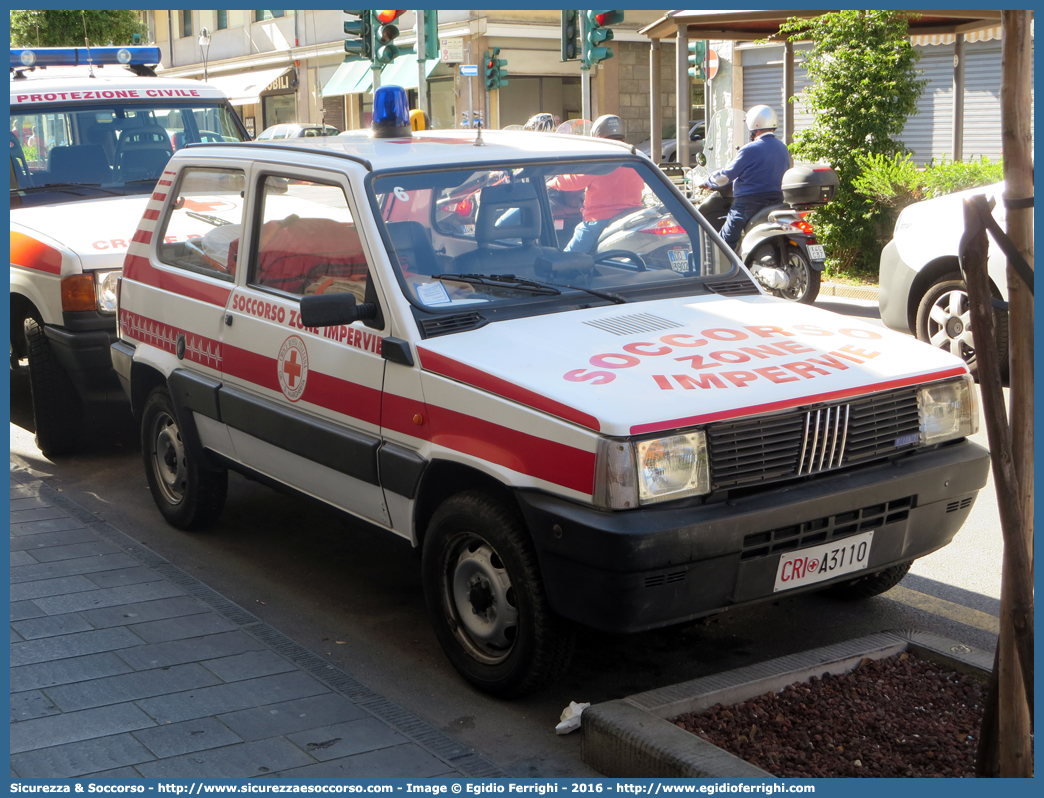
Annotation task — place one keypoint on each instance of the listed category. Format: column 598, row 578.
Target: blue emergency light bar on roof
column 22, row 58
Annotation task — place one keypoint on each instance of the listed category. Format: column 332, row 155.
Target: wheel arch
column 445, row 478
column 144, row 379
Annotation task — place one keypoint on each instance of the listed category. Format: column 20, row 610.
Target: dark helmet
column 541, row 123
column 608, row 126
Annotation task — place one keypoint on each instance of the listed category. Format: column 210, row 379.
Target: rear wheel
column 870, row 585
column 57, row 409
column 188, row 496
column 804, row 280
column 484, row 592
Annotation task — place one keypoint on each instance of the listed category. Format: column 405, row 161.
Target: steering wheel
column 621, row 254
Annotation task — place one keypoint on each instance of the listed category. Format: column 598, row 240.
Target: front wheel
column 188, row 496
column 804, row 280
column 57, row 409
column 944, row 321
column 483, row 589
column 870, row 585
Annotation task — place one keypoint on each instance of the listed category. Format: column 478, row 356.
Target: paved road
column 352, row 594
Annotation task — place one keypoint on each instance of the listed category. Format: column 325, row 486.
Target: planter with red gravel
column 636, row 737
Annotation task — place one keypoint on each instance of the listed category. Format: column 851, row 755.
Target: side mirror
column 327, row 310
column 701, row 159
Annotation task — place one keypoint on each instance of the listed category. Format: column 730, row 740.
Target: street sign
column 451, row 50
column 468, row 70
column 712, row 63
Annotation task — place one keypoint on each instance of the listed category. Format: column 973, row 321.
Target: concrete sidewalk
column 124, row 666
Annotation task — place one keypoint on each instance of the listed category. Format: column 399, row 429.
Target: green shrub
column 946, row 177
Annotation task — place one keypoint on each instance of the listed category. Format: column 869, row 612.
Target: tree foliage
column 61, row 28
column 863, row 86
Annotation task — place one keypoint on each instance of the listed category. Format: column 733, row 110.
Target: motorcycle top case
column 809, row 185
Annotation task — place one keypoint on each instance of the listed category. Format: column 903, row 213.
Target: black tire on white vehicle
column 188, row 496
column 57, row 409
column 486, row 597
column 944, row 321
column 871, row 585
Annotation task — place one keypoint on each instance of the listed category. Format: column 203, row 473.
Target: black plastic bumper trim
column 401, row 469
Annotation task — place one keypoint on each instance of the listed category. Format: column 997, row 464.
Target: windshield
column 588, row 231
column 61, row 154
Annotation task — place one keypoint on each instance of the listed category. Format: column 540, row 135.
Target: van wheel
column 484, row 592
column 57, row 410
column 871, row 585
column 188, row 497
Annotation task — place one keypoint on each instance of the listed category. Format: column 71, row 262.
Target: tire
column 57, row 409
column 871, row 585
column 804, row 287
column 484, row 592
column 188, row 496
column 944, row 321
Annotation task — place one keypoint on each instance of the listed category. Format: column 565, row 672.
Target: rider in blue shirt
column 756, row 171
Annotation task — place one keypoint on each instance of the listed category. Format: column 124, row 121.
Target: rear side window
column 201, row 232
column 308, row 242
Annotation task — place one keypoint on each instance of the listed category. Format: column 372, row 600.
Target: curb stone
column 634, row 737
column 866, row 292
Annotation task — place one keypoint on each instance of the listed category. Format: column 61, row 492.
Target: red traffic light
column 609, row 17
column 384, row 17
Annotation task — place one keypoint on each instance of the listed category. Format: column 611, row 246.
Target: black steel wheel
column 486, row 598
column 57, row 409
column 188, row 496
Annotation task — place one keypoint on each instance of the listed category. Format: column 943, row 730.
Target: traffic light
column 598, row 33
column 570, row 35
column 431, row 34
column 495, row 74
column 697, row 55
column 385, row 50
column 360, row 46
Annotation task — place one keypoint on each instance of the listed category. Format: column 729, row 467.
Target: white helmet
column 761, row 117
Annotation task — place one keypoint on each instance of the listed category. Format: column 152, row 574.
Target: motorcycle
column 778, row 244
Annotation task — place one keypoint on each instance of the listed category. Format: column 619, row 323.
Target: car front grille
column 814, row 440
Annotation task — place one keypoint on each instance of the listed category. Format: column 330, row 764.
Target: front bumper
column 896, row 279
column 629, row 571
column 84, row 354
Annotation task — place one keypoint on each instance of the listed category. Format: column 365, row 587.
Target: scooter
column 778, row 244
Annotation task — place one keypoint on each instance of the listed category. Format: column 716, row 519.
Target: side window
column 308, row 242
column 201, row 232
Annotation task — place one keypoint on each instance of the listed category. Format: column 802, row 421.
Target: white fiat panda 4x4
column 399, row 326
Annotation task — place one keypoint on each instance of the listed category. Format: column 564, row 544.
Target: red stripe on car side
column 440, row 364
column 152, row 214
column 659, row 426
column 29, row 253
column 143, row 236
column 136, row 267
column 159, row 197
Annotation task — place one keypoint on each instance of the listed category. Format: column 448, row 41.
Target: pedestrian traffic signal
column 598, row 33
column 360, row 45
column 570, row 35
column 697, row 55
column 385, row 50
column 495, row 75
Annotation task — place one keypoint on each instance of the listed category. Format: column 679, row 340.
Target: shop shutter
column 333, row 111
column 763, row 85
column 928, row 132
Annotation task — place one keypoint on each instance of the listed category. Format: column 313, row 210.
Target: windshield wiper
column 208, row 219
column 507, row 280
column 551, row 289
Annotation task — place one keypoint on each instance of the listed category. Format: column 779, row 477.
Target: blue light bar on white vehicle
column 22, row 58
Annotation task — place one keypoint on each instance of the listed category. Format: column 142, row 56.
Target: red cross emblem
column 292, row 367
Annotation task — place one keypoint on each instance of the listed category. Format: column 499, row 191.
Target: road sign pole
column 471, row 105
column 422, row 76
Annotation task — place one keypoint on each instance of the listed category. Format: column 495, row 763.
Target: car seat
column 79, row 163
column 413, row 248
column 141, row 153
column 506, row 211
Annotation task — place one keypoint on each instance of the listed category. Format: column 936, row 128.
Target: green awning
column 351, row 77
column 403, row 71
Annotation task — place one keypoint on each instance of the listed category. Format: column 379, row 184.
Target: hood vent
column 636, row 323
column 741, row 287
column 445, row 325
